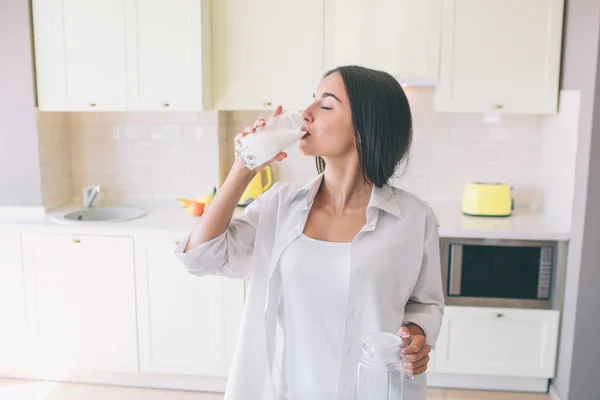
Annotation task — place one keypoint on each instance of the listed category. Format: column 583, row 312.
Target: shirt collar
column 382, row 198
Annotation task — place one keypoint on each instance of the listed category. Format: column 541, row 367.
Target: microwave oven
column 500, row 273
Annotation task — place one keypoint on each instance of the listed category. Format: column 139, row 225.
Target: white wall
column 559, row 157
column 579, row 354
column 19, row 173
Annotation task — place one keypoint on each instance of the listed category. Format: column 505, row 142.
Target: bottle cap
column 384, row 346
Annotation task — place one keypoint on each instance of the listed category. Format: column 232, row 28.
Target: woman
column 343, row 256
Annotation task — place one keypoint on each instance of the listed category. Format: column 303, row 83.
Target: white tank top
column 314, row 280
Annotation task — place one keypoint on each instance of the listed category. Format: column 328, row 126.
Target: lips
column 304, row 128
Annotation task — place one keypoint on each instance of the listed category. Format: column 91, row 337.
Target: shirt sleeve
column 425, row 306
column 230, row 253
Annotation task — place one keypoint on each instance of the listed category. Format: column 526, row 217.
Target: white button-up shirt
column 395, row 278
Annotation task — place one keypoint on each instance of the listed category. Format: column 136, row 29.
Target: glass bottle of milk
column 278, row 133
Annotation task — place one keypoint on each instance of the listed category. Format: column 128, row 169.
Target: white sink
column 99, row 214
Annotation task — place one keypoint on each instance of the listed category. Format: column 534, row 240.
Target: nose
column 307, row 119
column 307, row 115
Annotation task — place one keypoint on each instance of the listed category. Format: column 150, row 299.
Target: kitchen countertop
column 157, row 220
column 522, row 225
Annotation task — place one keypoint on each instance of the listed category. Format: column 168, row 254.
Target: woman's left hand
column 415, row 355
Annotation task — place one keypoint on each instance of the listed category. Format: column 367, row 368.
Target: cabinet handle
column 498, row 314
column 267, row 103
column 497, row 106
column 165, row 104
column 92, row 104
column 76, row 241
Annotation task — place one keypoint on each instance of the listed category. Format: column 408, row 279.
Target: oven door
column 498, row 273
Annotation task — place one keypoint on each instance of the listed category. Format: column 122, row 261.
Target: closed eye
column 326, row 108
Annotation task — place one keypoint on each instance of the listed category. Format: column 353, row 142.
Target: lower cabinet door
column 187, row 324
column 84, row 302
column 15, row 351
column 498, row 341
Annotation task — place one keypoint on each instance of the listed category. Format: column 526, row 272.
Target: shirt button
column 358, row 271
column 349, row 351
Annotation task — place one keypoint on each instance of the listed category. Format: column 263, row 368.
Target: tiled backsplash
column 155, row 157
column 55, row 158
column 448, row 150
column 451, row 149
column 145, row 158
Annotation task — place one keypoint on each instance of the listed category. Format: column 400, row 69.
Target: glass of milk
column 279, row 132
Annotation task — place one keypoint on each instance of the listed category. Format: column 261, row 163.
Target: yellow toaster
column 487, row 200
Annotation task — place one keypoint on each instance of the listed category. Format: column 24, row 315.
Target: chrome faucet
column 89, row 195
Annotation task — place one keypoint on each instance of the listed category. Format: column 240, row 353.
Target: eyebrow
column 327, row 94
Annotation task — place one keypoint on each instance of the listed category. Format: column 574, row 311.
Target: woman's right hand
column 251, row 130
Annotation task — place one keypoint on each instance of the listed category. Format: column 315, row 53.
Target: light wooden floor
column 27, row 390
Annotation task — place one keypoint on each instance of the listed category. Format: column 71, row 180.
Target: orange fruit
column 195, row 208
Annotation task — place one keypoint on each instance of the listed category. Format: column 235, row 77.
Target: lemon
column 207, row 198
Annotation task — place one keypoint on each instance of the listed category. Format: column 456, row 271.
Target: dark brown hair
column 381, row 119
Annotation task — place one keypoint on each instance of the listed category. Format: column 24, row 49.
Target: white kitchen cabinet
column 266, row 52
column 187, row 324
column 168, row 48
column 49, row 46
column 431, row 364
column 120, row 55
column 80, row 55
column 14, row 335
column 498, row 342
column 401, row 37
column 500, row 55
column 85, row 298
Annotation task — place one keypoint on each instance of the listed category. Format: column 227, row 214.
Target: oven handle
column 456, row 256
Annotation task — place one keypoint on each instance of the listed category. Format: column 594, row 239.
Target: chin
column 307, row 154
column 305, row 149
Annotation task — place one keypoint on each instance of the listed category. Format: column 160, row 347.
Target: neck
column 344, row 186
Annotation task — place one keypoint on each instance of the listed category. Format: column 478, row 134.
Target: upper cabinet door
column 401, row 37
column 95, row 61
column 166, row 41
column 80, row 55
column 49, row 44
column 266, row 52
column 500, row 55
